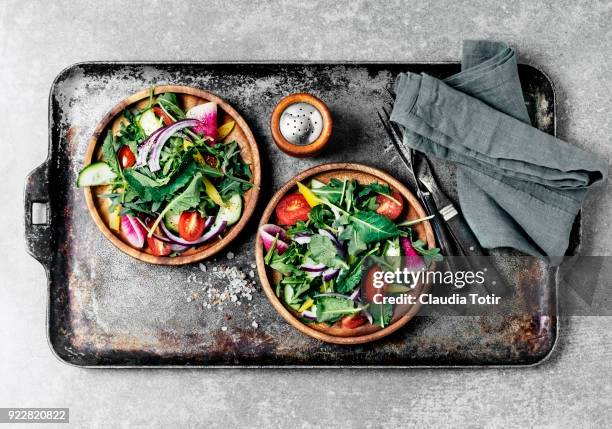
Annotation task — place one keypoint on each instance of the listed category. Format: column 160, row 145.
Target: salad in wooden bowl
column 171, row 175
column 315, row 238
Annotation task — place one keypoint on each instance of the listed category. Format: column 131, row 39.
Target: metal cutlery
column 459, row 241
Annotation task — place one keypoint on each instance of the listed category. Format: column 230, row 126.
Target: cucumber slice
column 96, row 174
column 316, row 184
column 149, row 122
column 232, row 210
column 171, row 220
column 392, row 248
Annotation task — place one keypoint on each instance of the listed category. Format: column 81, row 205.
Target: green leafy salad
column 323, row 237
column 176, row 180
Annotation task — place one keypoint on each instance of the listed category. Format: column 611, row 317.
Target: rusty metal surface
column 107, row 309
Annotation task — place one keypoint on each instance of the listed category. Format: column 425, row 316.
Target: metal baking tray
column 106, row 309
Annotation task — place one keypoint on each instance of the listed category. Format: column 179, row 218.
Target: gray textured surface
column 569, row 40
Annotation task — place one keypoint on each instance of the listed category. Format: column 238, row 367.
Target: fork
column 445, row 242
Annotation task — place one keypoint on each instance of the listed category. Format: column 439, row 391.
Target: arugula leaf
column 374, row 188
column 371, row 226
column 356, row 244
column 287, row 262
column 323, row 251
column 381, row 314
column 366, row 197
column 110, row 156
column 429, row 255
column 293, row 291
column 169, row 102
column 209, row 171
column 332, row 192
column 348, row 280
column 321, row 216
column 231, row 149
column 186, row 200
column 299, row 228
column 149, row 189
column 330, row 309
column 349, row 194
column 130, row 134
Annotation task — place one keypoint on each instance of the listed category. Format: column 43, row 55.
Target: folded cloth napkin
column 518, row 187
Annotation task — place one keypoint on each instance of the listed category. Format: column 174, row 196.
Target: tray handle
column 38, row 231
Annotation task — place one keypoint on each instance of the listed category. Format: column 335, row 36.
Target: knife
column 462, row 234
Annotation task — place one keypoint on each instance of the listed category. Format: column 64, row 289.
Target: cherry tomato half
column 191, row 225
column 158, row 247
column 166, row 119
column 291, row 209
column 354, row 321
column 389, row 208
column 126, row 157
column 369, row 292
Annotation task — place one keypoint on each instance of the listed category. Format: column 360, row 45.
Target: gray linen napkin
column 518, row 187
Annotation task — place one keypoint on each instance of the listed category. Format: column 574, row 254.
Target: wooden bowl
column 188, row 97
column 337, row 334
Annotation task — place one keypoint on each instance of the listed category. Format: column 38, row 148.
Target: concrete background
column 569, row 40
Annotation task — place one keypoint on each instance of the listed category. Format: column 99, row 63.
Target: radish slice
column 269, row 234
column 146, row 224
column 274, row 230
column 206, row 114
column 133, row 231
column 413, row 259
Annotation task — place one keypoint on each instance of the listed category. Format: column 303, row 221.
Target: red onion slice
column 302, row 238
column 309, row 315
column 330, row 274
column 313, row 268
column 178, row 247
column 145, row 147
column 163, row 137
column 207, row 236
column 332, row 237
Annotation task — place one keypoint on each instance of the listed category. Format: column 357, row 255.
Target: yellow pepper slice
column 224, row 130
column 187, row 144
column 212, row 192
column 114, row 219
column 308, row 195
column 307, row 304
column 197, row 156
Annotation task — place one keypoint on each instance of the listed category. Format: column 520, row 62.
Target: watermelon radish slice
column 207, row 115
